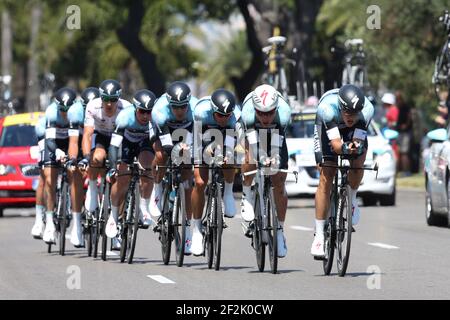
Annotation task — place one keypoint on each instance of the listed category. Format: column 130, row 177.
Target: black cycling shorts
column 50, row 156
column 130, row 150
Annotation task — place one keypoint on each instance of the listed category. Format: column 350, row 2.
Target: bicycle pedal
column 319, row 258
column 353, row 229
column 225, row 225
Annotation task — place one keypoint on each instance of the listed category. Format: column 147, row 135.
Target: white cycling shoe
column 229, row 207
column 317, row 249
column 49, row 233
column 76, row 236
column 111, row 227
column 155, row 201
column 281, row 241
column 247, row 212
column 197, row 242
column 38, row 229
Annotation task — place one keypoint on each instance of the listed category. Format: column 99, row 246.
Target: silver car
column 437, row 182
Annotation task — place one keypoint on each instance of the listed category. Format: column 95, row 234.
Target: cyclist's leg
column 186, row 177
column 198, row 202
column 98, row 157
column 354, row 180
column 76, row 196
column 247, row 211
column 228, row 198
column 160, row 159
column 50, row 179
column 146, row 157
column 322, row 199
column 37, row 229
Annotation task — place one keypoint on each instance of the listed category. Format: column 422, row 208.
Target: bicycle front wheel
column 218, row 217
column 180, row 225
column 134, row 230
column 258, row 244
column 62, row 217
column 344, row 232
column 166, row 234
column 105, row 210
column 272, row 228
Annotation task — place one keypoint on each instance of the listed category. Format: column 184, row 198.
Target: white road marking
column 301, row 228
column 382, row 245
column 160, row 278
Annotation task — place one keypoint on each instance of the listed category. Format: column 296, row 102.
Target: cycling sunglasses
column 221, row 115
column 265, row 114
column 144, row 111
column 178, row 107
column 110, row 99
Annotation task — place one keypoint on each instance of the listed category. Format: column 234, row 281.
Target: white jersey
column 95, row 116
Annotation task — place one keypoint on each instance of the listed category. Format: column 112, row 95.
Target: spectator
column 416, row 138
column 312, row 101
column 444, row 104
column 404, row 128
column 391, row 110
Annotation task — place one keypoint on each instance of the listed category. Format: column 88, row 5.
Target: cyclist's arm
column 74, row 135
column 116, row 142
column 50, row 137
column 87, row 140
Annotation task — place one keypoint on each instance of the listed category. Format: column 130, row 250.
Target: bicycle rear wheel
column 127, row 222
column 62, row 217
column 330, row 235
column 135, row 226
column 272, row 228
column 105, row 214
column 258, row 244
column 179, row 225
column 218, row 229
column 344, row 232
column 166, row 234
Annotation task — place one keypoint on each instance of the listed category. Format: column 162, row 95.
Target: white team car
column 300, row 143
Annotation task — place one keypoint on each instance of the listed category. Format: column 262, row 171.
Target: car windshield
column 302, row 126
column 18, row 136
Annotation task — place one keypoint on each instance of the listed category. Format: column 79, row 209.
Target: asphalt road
column 395, row 255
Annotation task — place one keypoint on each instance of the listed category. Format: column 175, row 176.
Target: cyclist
column 343, row 116
column 55, row 150
column 99, row 123
column 38, row 227
column 134, row 136
column 172, row 111
column 265, row 113
column 76, row 121
column 215, row 112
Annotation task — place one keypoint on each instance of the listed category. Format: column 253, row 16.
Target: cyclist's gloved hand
column 71, row 163
column 83, row 164
column 110, row 174
column 360, row 148
column 347, row 147
column 275, row 161
column 59, row 154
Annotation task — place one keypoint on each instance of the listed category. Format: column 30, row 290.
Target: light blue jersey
column 57, row 127
column 76, row 118
column 40, row 128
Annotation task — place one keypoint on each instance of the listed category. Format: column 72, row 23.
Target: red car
column 19, row 156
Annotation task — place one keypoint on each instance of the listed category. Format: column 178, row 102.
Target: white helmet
column 388, row 98
column 265, row 98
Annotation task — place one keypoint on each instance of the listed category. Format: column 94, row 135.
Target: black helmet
column 64, row 98
column 110, row 88
column 351, row 98
column 144, row 99
column 89, row 94
column 178, row 93
column 223, row 101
